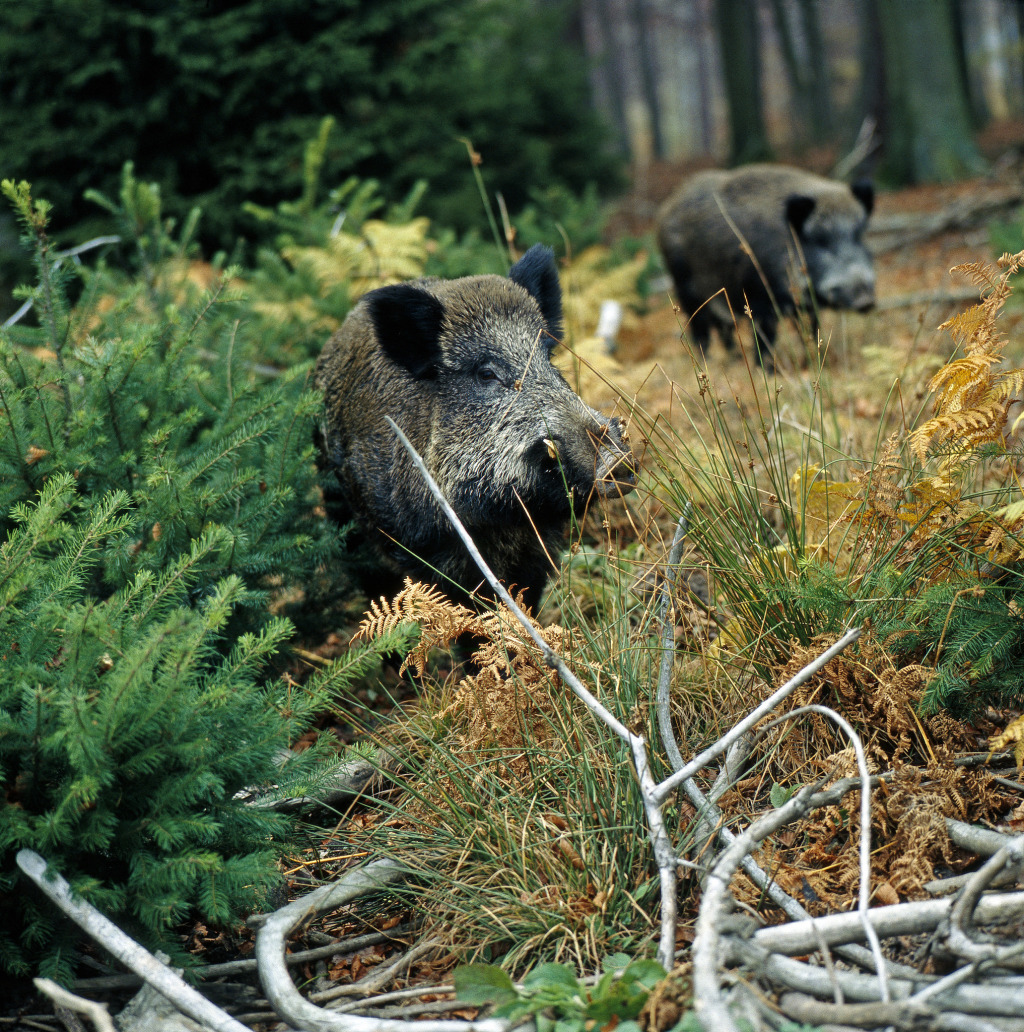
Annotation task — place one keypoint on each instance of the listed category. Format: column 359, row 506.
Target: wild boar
column 463, row 367
column 803, row 230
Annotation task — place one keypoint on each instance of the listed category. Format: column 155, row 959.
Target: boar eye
column 486, row 374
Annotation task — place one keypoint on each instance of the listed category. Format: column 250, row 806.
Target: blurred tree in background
column 214, row 100
column 929, row 126
column 803, row 80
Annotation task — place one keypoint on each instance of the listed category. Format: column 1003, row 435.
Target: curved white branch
column 723, row 743
column 864, row 895
column 96, row 1012
column 277, row 983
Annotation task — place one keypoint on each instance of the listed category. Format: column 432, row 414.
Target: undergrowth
column 518, row 815
column 922, row 540
column 521, row 814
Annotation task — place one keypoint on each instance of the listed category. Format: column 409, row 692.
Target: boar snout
column 596, row 459
column 616, row 467
column 864, row 299
column 856, row 293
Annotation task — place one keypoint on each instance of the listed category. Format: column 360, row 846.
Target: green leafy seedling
column 553, row 995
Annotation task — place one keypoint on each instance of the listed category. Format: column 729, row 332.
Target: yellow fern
column 972, row 395
column 588, row 280
column 1012, row 734
column 382, row 253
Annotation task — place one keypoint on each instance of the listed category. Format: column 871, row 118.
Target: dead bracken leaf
column 886, row 895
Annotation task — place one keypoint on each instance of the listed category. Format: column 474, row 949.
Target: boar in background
column 804, row 231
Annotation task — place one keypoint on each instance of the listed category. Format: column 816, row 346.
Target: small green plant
column 557, row 1000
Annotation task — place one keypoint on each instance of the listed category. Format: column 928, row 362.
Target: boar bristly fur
column 463, row 367
column 805, row 235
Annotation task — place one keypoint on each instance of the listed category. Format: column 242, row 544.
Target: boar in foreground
column 805, row 234
column 463, row 367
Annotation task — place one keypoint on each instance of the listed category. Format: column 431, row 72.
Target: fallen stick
column 277, row 983
column 124, row 948
column 97, row 1013
column 991, row 999
column 798, row 937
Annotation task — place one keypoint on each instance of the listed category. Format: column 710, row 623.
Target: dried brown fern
column 504, row 700
column 901, row 509
column 441, row 621
column 972, row 394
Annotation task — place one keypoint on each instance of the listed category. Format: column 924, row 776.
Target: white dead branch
column 279, row 987
column 654, row 795
column 97, row 1013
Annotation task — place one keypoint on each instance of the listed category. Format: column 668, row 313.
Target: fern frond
column 964, row 325
column 441, row 621
column 382, row 253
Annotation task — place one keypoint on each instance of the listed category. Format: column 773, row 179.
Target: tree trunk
column 805, row 59
column 739, row 39
column 599, row 41
column 649, row 75
column 818, row 73
column 928, row 124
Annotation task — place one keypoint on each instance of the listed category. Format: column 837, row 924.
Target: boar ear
column 798, row 210
column 408, row 324
column 535, row 272
column 864, row 191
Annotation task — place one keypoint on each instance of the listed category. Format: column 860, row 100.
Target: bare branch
column 126, row 950
column 991, row 999
column 864, row 895
column 799, row 937
column 277, row 983
column 379, row 976
column 719, row 747
column 983, row 841
column 664, row 853
column 97, row 1013
column 668, row 738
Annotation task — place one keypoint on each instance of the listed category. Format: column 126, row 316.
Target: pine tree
column 157, row 492
column 154, row 388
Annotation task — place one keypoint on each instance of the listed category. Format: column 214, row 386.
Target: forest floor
column 863, row 356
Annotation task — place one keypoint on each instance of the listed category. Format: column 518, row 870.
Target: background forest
column 214, row 101
column 195, row 194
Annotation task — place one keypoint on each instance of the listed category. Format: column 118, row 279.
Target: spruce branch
column 36, row 217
